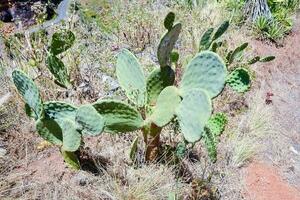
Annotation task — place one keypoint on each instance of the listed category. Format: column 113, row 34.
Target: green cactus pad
column 254, row 60
column 59, row 110
column 174, row 57
column 239, row 80
column 205, row 41
column 193, row 114
column 167, row 44
column 221, row 30
column 165, row 109
column 133, row 149
column 71, row 136
column 267, row 59
column 119, row 117
column 131, row 77
column 157, row 81
column 210, row 144
column 50, row 131
column 71, row 159
column 216, row 124
column 91, row 122
column 29, row 92
column 61, row 41
column 58, row 70
column 169, row 20
column 205, row 71
column 236, row 53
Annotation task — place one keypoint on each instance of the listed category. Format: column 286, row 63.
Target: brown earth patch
column 264, row 182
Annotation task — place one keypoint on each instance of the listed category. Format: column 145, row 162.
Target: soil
column 276, row 173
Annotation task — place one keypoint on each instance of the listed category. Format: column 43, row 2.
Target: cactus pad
column 211, row 144
column 239, row 80
column 236, row 53
column 205, row 41
column 205, row 71
column 50, row 131
column 29, row 92
column 71, row 159
column 91, row 122
column 166, row 105
column 119, row 117
column 131, row 77
column 169, row 20
column 193, row 113
column 59, row 110
column 221, row 30
column 133, row 149
column 61, row 41
column 167, row 44
column 157, row 81
column 216, row 124
column 58, row 70
column 71, row 136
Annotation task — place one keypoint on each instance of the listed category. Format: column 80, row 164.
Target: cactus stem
column 152, row 140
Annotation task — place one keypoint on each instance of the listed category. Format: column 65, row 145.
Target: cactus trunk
column 151, row 138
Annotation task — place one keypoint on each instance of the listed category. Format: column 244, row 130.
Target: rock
column 5, row 16
column 2, row 152
column 295, row 149
column 80, row 178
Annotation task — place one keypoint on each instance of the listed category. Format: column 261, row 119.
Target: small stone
column 2, row 152
column 295, row 149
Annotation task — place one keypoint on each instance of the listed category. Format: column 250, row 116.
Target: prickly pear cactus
column 71, row 135
column 30, row 93
column 167, row 44
column 59, row 110
column 211, row 144
column 50, row 131
column 221, row 30
column 89, row 120
column 193, row 114
column 61, row 41
column 119, row 117
column 59, row 71
column 165, row 109
column 157, row 81
column 217, row 123
column 239, row 80
column 131, row 77
column 205, row 41
column 169, row 21
column 71, row 159
column 206, row 71
column 133, row 149
column 233, row 55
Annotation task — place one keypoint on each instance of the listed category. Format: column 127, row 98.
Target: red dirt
column 264, row 182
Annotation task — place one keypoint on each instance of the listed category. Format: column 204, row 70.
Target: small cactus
column 61, row 41
column 239, row 80
column 169, row 21
column 216, row 124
